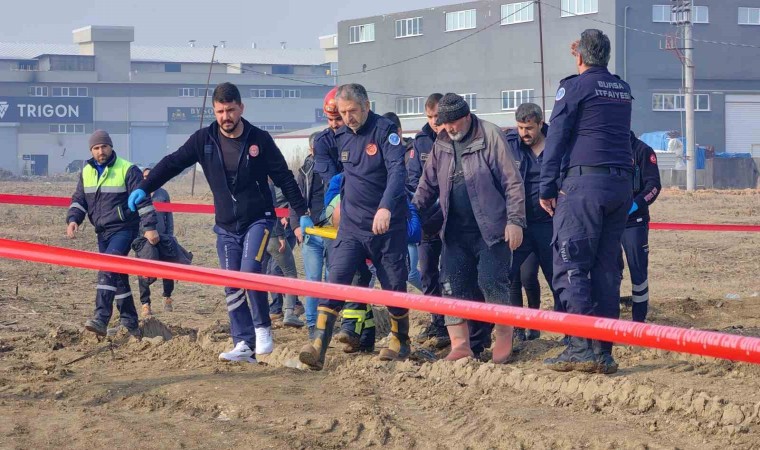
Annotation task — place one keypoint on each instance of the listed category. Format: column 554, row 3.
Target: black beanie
column 451, row 107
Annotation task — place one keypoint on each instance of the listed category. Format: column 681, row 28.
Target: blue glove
column 305, row 223
column 135, row 198
column 634, row 208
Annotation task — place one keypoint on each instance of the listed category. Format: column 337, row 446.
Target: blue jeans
column 414, row 277
column 313, row 254
column 244, row 252
column 115, row 286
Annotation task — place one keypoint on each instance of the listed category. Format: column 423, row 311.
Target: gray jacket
column 491, row 176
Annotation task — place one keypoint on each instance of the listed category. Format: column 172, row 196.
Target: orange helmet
column 331, row 106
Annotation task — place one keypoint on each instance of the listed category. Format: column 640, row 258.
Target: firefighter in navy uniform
column 358, row 319
column 589, row 147
column 646, row 188
column 373, row 226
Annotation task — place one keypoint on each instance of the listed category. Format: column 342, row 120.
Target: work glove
column 135, row 198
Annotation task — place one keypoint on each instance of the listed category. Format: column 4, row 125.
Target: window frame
column 519, row 7
column 464, row 26
column 186, row 92
column 359, row 31
column 526, row 95
column 287, row 93
column 567, row 11
column 33, row 91
column 417, row 103
column 694, row 14
column 678, row 102
column 405, row 25
column 748, row 10
column 66, row 128
column 472, row 102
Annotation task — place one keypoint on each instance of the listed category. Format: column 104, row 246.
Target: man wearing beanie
column 473, row 174
column 104, row 186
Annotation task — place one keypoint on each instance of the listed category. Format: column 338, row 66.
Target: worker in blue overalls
column 373, row 225
column 646, row 188
column 588, row 147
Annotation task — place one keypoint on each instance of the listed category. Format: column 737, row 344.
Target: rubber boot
column 313, row 354
column 367, row 338
column 351, row 327
column 577, row 356
column 291, row 319
column 460, row 342
column 502, row 345
column 399, row 346
column 605, row 363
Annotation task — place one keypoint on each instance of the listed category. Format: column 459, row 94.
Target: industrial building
column 150, row 99
column 491, row 52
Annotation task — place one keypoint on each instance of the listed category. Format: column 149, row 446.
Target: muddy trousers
column 388, row 254
column 537, row 240
column 592, row 210
column 244, row 252
column 636, row 248
column 115, row 286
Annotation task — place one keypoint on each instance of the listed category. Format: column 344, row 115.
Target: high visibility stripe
column 642, row 286
column 236, row 305
column 113, row 189
column 641, row 298
column 120, row 296
column 145, row 210
column 327, row 310
column 235, row 296
column 90, row 190
column 105, row 287
column 263, row 245
column 78, row 206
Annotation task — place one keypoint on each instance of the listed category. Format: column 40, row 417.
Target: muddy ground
column 174, row 393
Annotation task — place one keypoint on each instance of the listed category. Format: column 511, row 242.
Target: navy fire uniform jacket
column 326, row 159
column 646, row 180
column 375, row 175
column 600, row 136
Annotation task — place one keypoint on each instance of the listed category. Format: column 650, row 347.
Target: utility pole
column 203, row 113
column 541, row 45
column 682, row 12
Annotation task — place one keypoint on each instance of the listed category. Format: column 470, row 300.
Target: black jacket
column 249, row 198
column 646, row 180
column 313, row 190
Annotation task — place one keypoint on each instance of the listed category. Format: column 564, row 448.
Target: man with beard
column 237, row 159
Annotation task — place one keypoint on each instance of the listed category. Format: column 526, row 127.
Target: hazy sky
column 174, row 22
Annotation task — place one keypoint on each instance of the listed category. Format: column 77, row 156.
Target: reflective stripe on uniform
column 237, row 304
column 234, row 296
column 106, row 287
column 145, row 210
column 113, row 189
column 641, row 287
column 641, row 298
column 120, row 296
column 78, row 206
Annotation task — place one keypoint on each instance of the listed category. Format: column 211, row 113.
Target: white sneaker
column 241, row 352
column 264, row 342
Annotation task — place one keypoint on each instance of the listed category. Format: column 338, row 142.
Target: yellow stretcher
column 325, row 232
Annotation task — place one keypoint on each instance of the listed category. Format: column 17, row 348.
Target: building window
column 187, row 92
column 27, row 66
column 372, row 105
column 516, row 13
column 410, row 106
column 208, row 92
column 661, row 13
column 461, row 20
column 67, row 91
column 67, row 128
column 749, row 16
column 472, row 101
column 578, row 7
column 361, row 33
column 510, row 100
column 38, row 91
column 409, row 27
column 282, row 70
column 701, row 14
column 292, row 93
column 172, row 67
column 272, row 127
column 266, row 93
column 677, row 102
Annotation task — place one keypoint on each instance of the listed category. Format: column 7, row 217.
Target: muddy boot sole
column 351, row 343
column 310, row 357
column 387, row 354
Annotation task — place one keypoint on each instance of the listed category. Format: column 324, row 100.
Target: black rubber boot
column 577, row 356
column 605, row 363
column 519, row 335
column 313, row 354
column 399, row 346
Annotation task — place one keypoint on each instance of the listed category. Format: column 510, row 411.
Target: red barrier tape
column 706, row 343
column 39, row 200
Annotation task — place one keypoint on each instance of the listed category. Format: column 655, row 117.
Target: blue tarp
column 658, row 140
column 733, row 155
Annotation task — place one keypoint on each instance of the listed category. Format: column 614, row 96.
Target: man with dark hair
column 527, row 145
column 373, row 219
column 101, row 195
column 588, row 152
column 237, row 159
column 646, row 188
column 482, row 199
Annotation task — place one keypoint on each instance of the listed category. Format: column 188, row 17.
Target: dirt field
column 175, row 393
